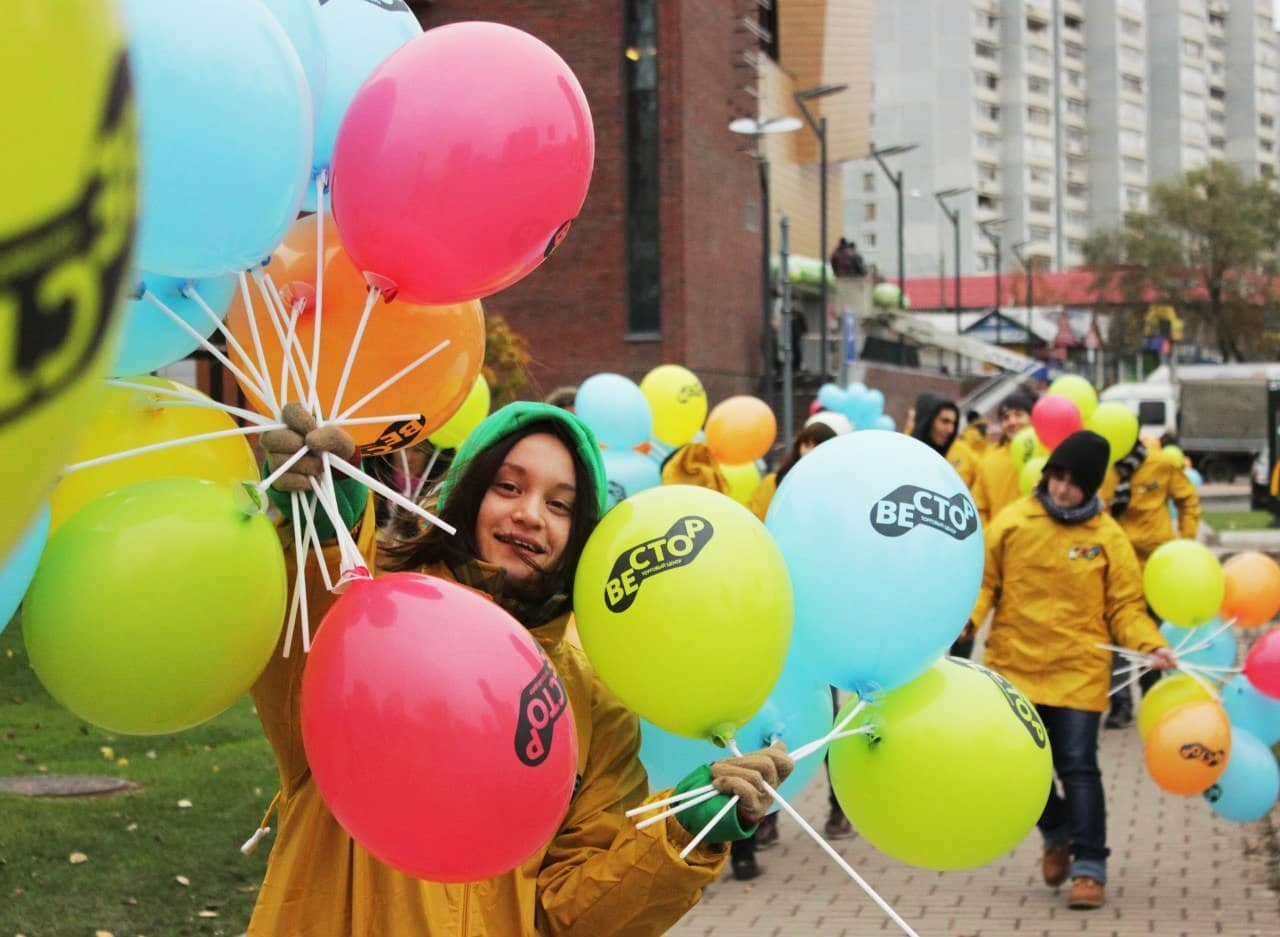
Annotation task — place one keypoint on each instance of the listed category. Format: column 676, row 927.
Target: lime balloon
column 955, row 774
column 68, row 187
column 1184, row 583
column 1174, row 456
column 1167, row 695
column 1079, row 390
column 670, row 582
column 1029, row 477
column 1117, row 424
column 678, row 402
column 475, row 407
column 1025, row 446
column 743, row 479
column 156, row 606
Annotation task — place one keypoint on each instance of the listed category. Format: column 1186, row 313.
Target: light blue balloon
column 831, row 396
column 1220, row 653
column 874, row 404
column 864, row 521
column 20, row 565
column 301, row 22
column 150, row 339
column 356, row 36
column 225, row 134
column 853, row 406
column 1250, row 710
column 1195, row 477
column 615, row 409
column 885, row 422
column 1248, row 788
column 629, row 472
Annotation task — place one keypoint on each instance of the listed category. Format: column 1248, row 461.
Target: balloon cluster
column 862, row 406
column 1200, row 739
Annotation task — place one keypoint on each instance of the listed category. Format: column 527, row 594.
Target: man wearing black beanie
column 1062, row 578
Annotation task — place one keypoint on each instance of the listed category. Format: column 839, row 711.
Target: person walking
column 996, row 480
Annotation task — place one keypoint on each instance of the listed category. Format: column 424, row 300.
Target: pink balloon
column 1262, row 665
column 461, row 162
column 1054, row 418
column 436, row 729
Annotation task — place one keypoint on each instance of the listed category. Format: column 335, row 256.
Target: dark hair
column 813, row 435
column 462, row 508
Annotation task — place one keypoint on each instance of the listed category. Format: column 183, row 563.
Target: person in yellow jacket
column 808, row 439
column 969, row 448
column 995, row 483
column 1062, row 578
column 524, row 492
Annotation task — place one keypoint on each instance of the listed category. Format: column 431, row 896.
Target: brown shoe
column 837, row 826
column 1086, row 894
column 1055, row 865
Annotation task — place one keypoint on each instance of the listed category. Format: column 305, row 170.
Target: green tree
column 506, row 360
column 1207, row 247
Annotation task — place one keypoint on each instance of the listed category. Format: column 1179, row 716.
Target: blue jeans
column 1079, row 818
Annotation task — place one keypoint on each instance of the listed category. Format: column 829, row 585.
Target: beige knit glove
column 281, row 444
column 745, row 777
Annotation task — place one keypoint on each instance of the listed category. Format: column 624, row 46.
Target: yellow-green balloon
column 1184, row 583
column 156, row 606
column 956, row 773
column 470, row 415
column 1029, row 477
column 1167, row 695
column 1080, row 392
column 1117, row 424
column 684, row 605
column 678, row 402
column 742, row 480
column 1024, row 446
column 1174, row 456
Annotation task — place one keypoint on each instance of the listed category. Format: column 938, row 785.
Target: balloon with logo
column 1262, row 664
column 468, row 416
column 19, row 566
column 1168, row 694
column 1248, row 788
column 1026, row 446
column 1054, row 418
column 406, row 667
column 157, row 606
column 1030, row 475
column 1117, row 424
column 677, row 401
column 1183, row 582
column 151, row 339
column 741, row 429
column 615, row 409
column 898, row 507
column 221, row 181
column 1209, row 645
column 684, row 567
column 1078, row 390
column 1187, row 749
column 132, row 419
column 1251, row 589
column 628, row 473
column 457, row 194
column 68, row 165
column 1250, row 710
column 437, row 350
column 955, row 773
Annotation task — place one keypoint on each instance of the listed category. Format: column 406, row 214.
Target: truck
column 1218, row 412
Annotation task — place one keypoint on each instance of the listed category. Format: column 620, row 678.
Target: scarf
column 1075, row 515
column 492, row 580
column 1124, row 471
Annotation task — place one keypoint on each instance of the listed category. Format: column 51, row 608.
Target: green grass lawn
column 137, row 844
column 1237, row 520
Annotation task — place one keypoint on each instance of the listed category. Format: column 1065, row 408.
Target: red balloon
column 461, row 162
column 1262, row 665
column 436, row 729
column 1055, row 417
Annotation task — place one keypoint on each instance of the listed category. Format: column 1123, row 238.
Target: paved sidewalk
column 1176, row 870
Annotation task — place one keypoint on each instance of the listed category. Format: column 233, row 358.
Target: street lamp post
column 953, row 215
column 896, row 178
column 1028, row 273
column 819, row 127
column 994, row 237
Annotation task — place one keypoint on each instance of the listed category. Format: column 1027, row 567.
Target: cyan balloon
column 1220, row 652
column 356, row 36
column 659, row 450
column 831, row 396
column 20, row 565
column 885, row 422
column 150, row 339
column 1247, row 790
column 628, row 472
column 615, row 409
column 860, row 520
column 874, row 404
column 301, row 22
column 225, row 130
column 1194, row 477
column 1250, row 710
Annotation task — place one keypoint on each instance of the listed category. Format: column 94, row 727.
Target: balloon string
column 169, row 443
column 260, row 377
column 370, row 300
column 387, row 492
column 172, row 397
column 203, row 342
column 251, row 315
column 322, row 185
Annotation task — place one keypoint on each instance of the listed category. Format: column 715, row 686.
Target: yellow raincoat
column 965, row 461
column 599, row 876
column 995, row 483
column 693, row 464
column 1147, row 520
column 1059, row 589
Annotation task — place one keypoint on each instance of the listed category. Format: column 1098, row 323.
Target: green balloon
column 1117, row 424
column 1184, row 583
column 1025, row 446
column 156, row 607
column 956, row 773
column 885, row 294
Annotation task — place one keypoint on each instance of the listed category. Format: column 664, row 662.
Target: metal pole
column 784, row 333
column 766, row 291
column 955, row 223
column 995, row 239
column 902, row 281
column 822, row 249
column 1030, row 286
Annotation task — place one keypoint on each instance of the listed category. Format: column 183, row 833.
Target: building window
column 986, row 80
column 1040, row 206
column 1192, row 50
column 1133, row 113
column 1075, row 79
column 1130, row 29
column 869, row 211
column 1036, row 26
column 1135, row 199
column 1073, row 50
column 988, row 172
column 988, row 141
column 1134, row 166
column 1077, row 219
column 1132, row 140
column 984, row 20
column 1040, row 146
column 868, row 182
column 1079, row 108
column 988, row 202
column 870, row 238
column 643, row 252
column 984, row 50
column 1218, row 94
column 1131, row 83
column 1038, row 175
column 1266, row 145
column 1075, row 136
column 1265, row 119
column 1076, row 190
column 1038, row 85
column 1075, row 246
column 1039, row 233
column 1218, row 143
column 1072, row 22
column 1038, row 115
column 1038, row 55
column 1217, row 21
column 989, row 111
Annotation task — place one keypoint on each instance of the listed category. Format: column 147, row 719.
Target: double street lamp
column 896, row 178
column 995, row 239
column 1029, row 273
column 953, row 215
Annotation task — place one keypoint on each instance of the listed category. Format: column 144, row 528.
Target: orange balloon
column 1252, row 595
column 1188, row 748
column 740, row 429
column 396, row 334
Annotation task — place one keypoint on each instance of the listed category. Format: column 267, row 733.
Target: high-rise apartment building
column 1049, row 120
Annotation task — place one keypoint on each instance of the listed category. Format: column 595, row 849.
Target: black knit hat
column 1020, row 399
column 1085, row 456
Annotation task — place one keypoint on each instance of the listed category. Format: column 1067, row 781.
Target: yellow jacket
column 762, row 497
column 598, row 877
column 995, row 483
column 975, row 437
column 693, row 464
column 964, row 459
column 1059, row 589
column 1147, row 520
